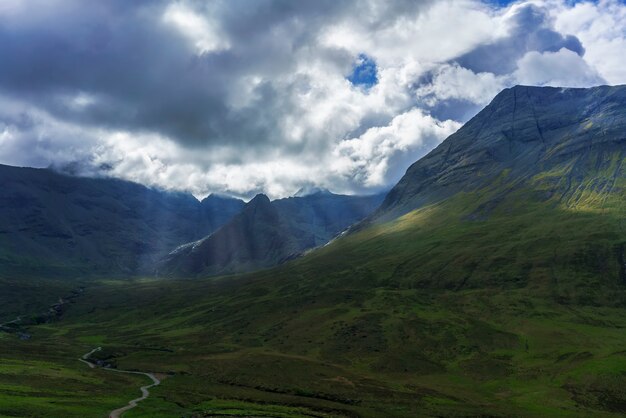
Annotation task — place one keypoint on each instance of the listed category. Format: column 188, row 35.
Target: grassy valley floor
column 397, row 353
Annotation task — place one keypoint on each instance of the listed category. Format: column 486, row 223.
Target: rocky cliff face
column 523, row 134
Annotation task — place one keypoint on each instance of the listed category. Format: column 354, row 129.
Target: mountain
column 267, row 233
column 254, row 238
column 216, row 210
column 564, row 133
column 322, row 215
column 309, row 190
column 53, row 224
column 529, row 193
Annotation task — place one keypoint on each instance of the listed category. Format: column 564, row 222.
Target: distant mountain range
column 267, row 233
column 53, row 224
column 563, row 144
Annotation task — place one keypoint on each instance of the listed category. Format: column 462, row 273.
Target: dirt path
column 15, row 321
column 145, row 393
column 85, row 358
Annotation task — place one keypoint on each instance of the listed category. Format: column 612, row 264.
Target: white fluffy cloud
column 563, row 68
column 202, row 31
column 380, row 155
column 601, row 27
column 456, row 82
column 244, row 97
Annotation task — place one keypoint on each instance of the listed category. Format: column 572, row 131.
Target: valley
column 366, row 340
column 488, row 283
column 312, row 209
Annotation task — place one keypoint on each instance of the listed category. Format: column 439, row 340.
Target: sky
column 241, row 97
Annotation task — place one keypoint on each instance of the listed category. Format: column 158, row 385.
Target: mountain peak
column 218, row 197
column 311, row 190
column 260, row 208
column 523, row 132
column 259, row 199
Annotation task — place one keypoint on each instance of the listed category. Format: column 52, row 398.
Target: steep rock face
column 523, row 132
column 267, row 233
column 54, row 224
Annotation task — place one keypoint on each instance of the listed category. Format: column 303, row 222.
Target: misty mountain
column 267, row 233
column 53, row 224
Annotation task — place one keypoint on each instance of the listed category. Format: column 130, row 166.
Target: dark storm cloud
column 236, row 96
column 530, row 30
column 109, row 50
column 143, row 75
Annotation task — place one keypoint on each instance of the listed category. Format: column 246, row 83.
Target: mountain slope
column 254, row 238
column 267, row 233
column 530, row 193
column 562, row 134
column 52, row 224
column 323, row 214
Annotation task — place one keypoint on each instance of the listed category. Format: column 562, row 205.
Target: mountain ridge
column 449, row 168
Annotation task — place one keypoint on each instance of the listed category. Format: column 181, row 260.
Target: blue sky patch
column 365, row 72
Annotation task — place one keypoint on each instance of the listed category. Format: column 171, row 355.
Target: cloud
column 563, row 68
column 30, row 137
column 524, row 27
column 457, row 92
column 247, row 96
column 204, row 33
column 601, row 27
column 380, row 156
